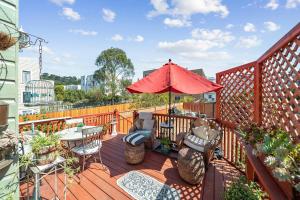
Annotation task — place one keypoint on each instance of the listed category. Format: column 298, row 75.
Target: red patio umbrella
column 173, row 78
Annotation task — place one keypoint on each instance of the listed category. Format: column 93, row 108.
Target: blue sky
column 210, row 34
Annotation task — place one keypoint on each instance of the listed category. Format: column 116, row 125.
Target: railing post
column 218, row 99
column 257, row 93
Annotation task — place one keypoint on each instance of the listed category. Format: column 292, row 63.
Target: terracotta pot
column 46, row 155
column 3, row 116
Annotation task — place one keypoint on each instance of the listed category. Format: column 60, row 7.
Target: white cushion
column 195, row 143
column 88, row 149
column 145, row 115
column 201, row 132
column 148, row 124
column 212, row 134
column 138, row 124
column 135, row 138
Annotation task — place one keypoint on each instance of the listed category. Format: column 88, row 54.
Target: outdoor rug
column 144, row 187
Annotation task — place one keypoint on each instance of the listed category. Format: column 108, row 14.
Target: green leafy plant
column 241, row 189
column 80, row 125
column 166, row 142
column 282, row 156
column 252, row 134
column 39, row 142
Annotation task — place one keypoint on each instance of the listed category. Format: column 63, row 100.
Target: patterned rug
column 144, row 187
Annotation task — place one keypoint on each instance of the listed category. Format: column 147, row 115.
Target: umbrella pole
column 169, row 114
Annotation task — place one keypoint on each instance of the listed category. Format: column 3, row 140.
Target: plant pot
column 296, row 194
column 165, row 149
column 79, row 129
column 46, row 155
column 3, row 116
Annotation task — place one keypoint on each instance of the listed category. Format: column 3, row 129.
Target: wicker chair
column 149, row 143
column 210, row 146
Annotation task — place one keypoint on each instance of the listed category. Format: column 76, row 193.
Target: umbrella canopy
column 173, row 78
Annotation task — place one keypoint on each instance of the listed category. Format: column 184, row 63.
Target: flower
column 270, row 161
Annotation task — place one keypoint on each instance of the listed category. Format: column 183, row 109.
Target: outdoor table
column 164, row 128
column 71, row 136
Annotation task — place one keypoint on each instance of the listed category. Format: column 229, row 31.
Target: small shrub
column 244, row 190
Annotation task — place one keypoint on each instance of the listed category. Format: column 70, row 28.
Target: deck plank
column 98, row 182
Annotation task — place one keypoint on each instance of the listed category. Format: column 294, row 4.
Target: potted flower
column 45, row 148
column 165, row 145
column 80, row 126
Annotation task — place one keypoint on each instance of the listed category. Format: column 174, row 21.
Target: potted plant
column 80, row 126
column 165, row 145
column 45, row 148
column 242, row 189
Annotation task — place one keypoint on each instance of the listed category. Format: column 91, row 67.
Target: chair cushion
column 201, row 131
column 138, row 123
column 87, row 149
column 135, row 138
column 146, row 133
column 212, row 134
column 195, row 142
column 148, row 124
column 145, row 115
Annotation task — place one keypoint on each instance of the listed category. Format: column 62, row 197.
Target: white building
column 28, row 71
column 72, row 87
column 88, row 82
column 210, row 96
column 32, row 91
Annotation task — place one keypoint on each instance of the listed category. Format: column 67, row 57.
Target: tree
column 114, row 68
column 59, row 92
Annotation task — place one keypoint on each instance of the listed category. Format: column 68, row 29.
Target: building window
column 26, row 76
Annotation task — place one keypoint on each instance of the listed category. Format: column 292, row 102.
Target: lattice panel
column 237, row 97
column 281, row 88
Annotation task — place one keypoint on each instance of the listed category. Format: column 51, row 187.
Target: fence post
column 218, row 95
column 257, row 93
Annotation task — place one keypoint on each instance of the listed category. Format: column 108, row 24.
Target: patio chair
column 203, row 136
column 91, row 144
column 145, row 124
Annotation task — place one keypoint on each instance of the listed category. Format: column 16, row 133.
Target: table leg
column 37, row 186
column 55, row 182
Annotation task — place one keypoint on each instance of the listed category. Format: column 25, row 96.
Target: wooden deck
column 98, row 183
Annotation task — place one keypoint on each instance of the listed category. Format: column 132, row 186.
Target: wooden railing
column 233, row 148
column 180, row 123
column 200, row 107
column 49, row 126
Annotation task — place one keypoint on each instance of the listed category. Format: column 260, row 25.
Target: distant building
column 72, row 87
column 88, row 82
column 32, row 91
column 210, row 96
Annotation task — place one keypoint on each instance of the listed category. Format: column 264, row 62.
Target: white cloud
column 187, row 8
column 292, row 3
column 71, row 14
column 83, row 32
column 201, row 44
column 271, row 26
column 61, row 2
column 177, row 23
column 272, row 4
column 139, row 38
column 214, row 35
column 249, row 42
column 249, row 27
column 229, row 26
column 117, row 37
column 108, row 15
